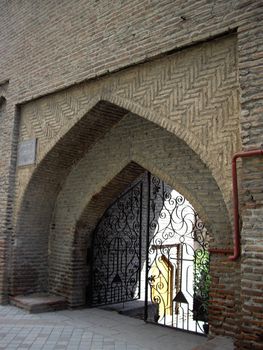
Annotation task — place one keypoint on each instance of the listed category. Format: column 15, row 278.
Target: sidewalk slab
column 89, row 329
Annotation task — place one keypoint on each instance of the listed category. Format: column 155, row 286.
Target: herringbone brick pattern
column 46, row 48
column 196, row 89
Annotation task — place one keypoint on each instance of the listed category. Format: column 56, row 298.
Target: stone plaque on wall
column 27, row 152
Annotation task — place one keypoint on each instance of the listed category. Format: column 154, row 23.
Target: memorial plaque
column 27, row 152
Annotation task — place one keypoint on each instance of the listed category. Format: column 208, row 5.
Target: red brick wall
column 47, row 45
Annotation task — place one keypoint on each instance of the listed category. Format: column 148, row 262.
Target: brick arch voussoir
column 52, row 149
column 163, row 121
column 179, row 131
column 130, row 106
column 50, row 171
column 123, row 106
column 36, row 204
column 127, row 105
column 132, row 169
column 92, row 212
column 51, row 156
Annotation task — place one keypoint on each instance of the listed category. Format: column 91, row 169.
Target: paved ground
column 89, row 329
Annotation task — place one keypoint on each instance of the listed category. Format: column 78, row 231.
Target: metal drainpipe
column 236, row 236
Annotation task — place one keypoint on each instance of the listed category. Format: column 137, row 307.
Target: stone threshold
column 39, row 302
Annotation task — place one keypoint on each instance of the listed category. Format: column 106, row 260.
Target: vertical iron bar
column 177, row 316
column 187, row 317
column 147, row 245
column 126, row 292
column 91, row 277
column 140, row 239
column 108, row 273
column 161, row 250
column 118, row 264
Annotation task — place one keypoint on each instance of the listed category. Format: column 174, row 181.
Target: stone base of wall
column 36, row 303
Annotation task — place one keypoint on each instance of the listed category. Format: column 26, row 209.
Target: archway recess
column 35, row 208
column 176, row 117
column 131, row 147
column 63, row 200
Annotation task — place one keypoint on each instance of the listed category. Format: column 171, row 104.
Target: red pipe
column 236, row 238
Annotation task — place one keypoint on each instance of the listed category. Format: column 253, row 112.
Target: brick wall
column 2, row 212
column 163, row 92
column 45, row 47
column 49, row 118
column 65, row 131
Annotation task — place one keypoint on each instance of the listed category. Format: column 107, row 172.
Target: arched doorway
column 65, row 198
column 150, row 251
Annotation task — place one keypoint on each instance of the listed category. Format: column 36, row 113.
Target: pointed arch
column 99, row 177
column 50, row 265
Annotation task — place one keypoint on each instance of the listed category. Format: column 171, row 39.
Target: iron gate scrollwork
column 117, row 251
column 175, row 266
column 178, row 261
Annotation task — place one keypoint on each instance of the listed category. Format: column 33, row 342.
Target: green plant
column 202, row 282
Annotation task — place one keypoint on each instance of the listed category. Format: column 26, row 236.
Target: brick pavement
column 89, row 329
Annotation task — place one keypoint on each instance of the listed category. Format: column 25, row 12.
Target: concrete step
column 36, row 303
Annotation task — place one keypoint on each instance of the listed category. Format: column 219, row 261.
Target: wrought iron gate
column 153, row 221
column 117, row 251
column 178, row 261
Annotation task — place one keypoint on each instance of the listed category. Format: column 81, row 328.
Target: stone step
column 36, row 303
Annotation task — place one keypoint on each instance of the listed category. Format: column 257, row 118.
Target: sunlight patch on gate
column 150, row 253
column 178, row 260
